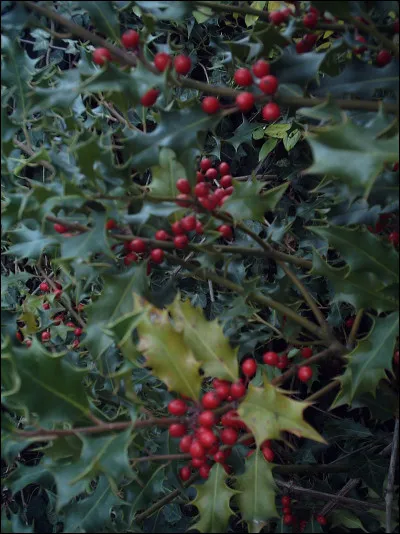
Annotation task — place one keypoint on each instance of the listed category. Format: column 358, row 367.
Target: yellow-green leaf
column 250, row 20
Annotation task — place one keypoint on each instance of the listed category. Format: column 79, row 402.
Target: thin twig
column 351, row 484
column 25, row 148
column 355, row 327
column 391, row 477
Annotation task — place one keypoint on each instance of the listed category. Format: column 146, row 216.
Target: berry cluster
column 385, row 225
column 290, row 519
column 304, row 373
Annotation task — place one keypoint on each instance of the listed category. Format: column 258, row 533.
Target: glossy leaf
column 104, row 17
column 166, row 174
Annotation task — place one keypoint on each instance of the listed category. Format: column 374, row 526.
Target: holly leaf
column 243, row 134
column 362, row 250
column 257, row 492
column 210, row 347
column 246, row 201
column 365, row 156
column 28, row 243
column 292, row 68
column 212, row 502
column 165, row 175
column 268, row 412
column 170, row 358
column 369, row 360
column 346, row 518
column 104, row 18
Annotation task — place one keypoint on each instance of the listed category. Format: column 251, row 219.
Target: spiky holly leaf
column 257, row 492
column 166, row 351
column 362, row 250
column 365, row 156
column 29, row 242
column 45, row 384
column 268, row 412
column 104, row 18
column 165, row 175
column 246, row 201
column 206, row 339
column 368, row 361
column 212, row 502
column 360, row 289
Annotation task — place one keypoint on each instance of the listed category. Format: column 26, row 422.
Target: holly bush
column 200, row 267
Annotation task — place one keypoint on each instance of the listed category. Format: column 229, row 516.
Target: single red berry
column 196, row 449
column 360, row 49
column 46, row 336
column 225, row 231
column 219, row 192
column 185, row 443
column 349, row 322
column 58, row 285
column 249, row 367
column 205, row 164
column 204, row 471
column 223, row 391
column 211, row 174
column 111, row 224
column 310, row 39
column 283, row 362
column 271, row 112
column 177, row 229
column 137, row 245
column 224, row 168
column 276, row 17
column 286, row 13
column 132, row 257
column 302, row 47
column 130, row 39
column 243, row 77
column 177, row 407
column 286, row 510
column 183, row 186
column 78, row 332
column 198, row 462
column 44, row 286
column 270, row 358
column 210, row 400
column 207, row 418
column 60, row 228
column 177, row 430
column 157, row 255
column 200, row 177
column 269, row 84
column 207, row 438
column 266, row 444
column 310, row 20
column 199, row 228
column 321, row 520
column 306, row 352
column 219, row 457
column 58, row 319
column 238, row 389
column 394, row 238
column 28, row 342
column 245, row 101
column 149, row 98
column 231, row 419
column 184, row 473
column 229, row 190
column 162, row 235
column 183, row 200
column 162, row 61
column 268, row 454
column 182, row 64
column 229, row 436
column 75, row 344
column 20, row 337
column 286, row 500
column 101, row 56
column 46, row 306
column 189, row 223
column 210, row 105
column 260, row 68
column 202, row 189
column 57, row 294
column 288, row 519
column 304, row 373
column 181, row 241
column 70, row 324
column 250, row 453
column 383, row 58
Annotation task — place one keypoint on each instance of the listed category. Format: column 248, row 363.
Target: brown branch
column 351, row 484
column 372, row 30
column 160, row 458
column 321, row 392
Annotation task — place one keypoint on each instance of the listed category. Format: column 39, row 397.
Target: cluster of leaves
column 314, row 202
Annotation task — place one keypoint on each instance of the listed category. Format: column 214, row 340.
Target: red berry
column 207, row 418
column 46, row 336
column 223, row 391
column 46, row 306
column 132, row 257
column 260, row 68
column 162, row 61
column 201, row 190
column 208, row 202
column 181, row 241
column 20, row 337
column 58, row 286
column 349, row 322
column 199, row 228
column 75, row 344
column 321, row 520
column 268, row 84
column 283, row 362
column 185, row 443
column 231, row 419
column 207, row 438
column 57, row 294
column 270, row 358
column 286, row 500
column 130, row 39
column 226, row 181
column 196, row 449
column 58, row 319
column 78, row 332
column 176, row 228
column 268, row 454
column 60, row 228
column 310, row 39
column 205, row 164
column 266, row 444
column 249, row 367
column 396, row 358
column 210, row 105
column 227, row 469
column 245, row 101
column 271, row 112
column 304, row 373
column 28, row 342
column 182, row 64
column 183, row 186
column 310, row 20
column 44, row 286
column 200, row 177
column 306, row 352
column 288, row 519
column 383, row 58
column 211, row 174
column 70, row 324
column 286, row 13
column 177, row 430
column 184, row 473
column 211, row 400
column 224, row 168
column 302, row 47
column 229, row 190
column 219, row 457
column 111, row 224
column 137, row 245
column 219, row 193
column 189, row 223
column 225, row 231
column 157, row 255
column 149, row 98
column 177, row 407
column 394, row 238
column 101, row 56
column 360, row 49
column 162, row 235
column 183, row 200
column 276, row 17
column 198, row 462
column 286, row 510
column 204, row 471
column 238, row 389
column 229, row 436
column 243, row 77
